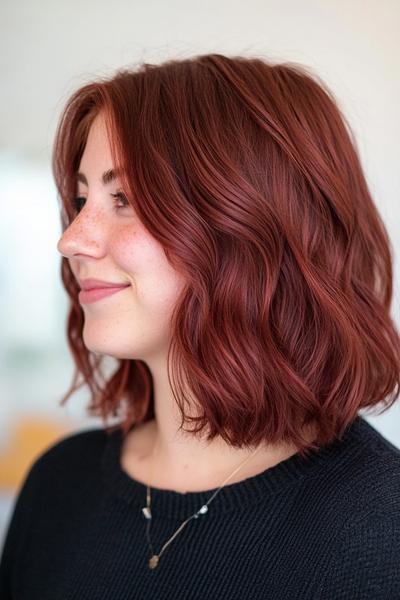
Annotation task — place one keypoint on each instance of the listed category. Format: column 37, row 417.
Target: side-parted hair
column 248, row 174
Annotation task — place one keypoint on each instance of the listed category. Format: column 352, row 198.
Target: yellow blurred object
column 29, row 438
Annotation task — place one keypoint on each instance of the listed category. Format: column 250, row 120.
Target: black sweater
column 325, row 527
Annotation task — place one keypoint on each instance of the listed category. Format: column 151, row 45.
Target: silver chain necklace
column 154, row 559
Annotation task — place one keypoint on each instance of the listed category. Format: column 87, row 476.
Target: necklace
column 154, row 559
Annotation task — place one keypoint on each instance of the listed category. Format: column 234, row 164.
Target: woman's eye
column 77, row 203
column 124, row 200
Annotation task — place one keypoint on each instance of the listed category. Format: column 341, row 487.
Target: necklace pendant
column 147, row 512
column 153, row 562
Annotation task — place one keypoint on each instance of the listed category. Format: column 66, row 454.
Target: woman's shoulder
column 69, row 458
column 374, row 458
column 362, row 560
column 74, row 445
column 362, row 476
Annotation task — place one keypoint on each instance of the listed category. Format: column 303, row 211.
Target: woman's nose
column 83, row 236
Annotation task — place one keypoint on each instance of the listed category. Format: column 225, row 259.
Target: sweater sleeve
column 365, row 562
column 17, row 531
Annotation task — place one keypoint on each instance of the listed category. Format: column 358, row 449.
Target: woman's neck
column 189, row 465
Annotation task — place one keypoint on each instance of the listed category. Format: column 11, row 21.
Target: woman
column 220, row 242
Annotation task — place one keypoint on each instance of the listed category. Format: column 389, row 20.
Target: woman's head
column 253, row 249
column 107, row 241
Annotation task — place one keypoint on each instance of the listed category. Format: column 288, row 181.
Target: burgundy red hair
column 249, row 176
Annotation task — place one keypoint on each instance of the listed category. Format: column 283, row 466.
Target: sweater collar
column 238, row 495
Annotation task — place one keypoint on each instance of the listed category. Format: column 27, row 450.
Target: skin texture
column 111, row 244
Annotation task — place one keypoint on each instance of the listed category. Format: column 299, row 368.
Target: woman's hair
column 249, row 176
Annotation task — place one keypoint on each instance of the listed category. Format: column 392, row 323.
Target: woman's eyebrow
column 107, row 177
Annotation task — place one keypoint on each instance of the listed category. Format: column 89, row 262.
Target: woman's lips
column 89, row 296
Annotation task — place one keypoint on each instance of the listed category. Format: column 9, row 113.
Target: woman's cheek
column 131, row 249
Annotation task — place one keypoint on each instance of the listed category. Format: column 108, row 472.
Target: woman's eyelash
column 122, row 197
column 75, row 203
column 77, row 207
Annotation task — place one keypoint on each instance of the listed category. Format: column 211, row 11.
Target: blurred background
column 48, row 48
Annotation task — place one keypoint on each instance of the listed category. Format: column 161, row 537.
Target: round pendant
column 153, row 562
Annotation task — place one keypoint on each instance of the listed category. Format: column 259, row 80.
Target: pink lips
column 94, row 294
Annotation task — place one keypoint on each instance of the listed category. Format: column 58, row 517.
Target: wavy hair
column 248, row 174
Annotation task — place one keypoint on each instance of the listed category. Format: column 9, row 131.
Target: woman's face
column 107, row 241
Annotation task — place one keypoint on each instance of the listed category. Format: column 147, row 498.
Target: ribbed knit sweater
column 324, row 527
